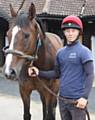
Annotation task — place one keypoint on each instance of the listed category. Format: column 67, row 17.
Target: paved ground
column 11, row 107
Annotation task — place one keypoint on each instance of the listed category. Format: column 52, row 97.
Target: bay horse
column 29, row 44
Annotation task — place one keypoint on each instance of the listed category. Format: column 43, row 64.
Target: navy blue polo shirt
column 70, row 59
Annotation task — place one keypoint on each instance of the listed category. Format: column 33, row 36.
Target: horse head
column 23, row 36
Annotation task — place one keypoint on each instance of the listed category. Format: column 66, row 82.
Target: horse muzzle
column 10, row 73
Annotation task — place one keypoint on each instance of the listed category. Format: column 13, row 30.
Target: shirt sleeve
column 51, row 74
column 86, row 55
column 89, row 71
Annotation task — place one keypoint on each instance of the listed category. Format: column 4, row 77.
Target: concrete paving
column 11, row 107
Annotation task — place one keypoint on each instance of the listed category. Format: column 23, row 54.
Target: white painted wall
column 93, row 52
column 93, row 47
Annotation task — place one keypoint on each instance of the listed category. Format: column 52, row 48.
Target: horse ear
column 13, row 13
column 32, row 11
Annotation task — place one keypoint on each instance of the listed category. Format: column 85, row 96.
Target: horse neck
column 43, row 50
column 45, row 57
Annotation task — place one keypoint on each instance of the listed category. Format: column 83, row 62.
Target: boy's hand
column 82, row 102
column 33, row 71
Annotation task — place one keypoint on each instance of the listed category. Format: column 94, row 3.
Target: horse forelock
column 22, row 20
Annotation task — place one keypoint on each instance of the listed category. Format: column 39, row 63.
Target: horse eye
column 26, row 35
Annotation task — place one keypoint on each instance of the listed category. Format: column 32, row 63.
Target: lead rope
column 59, row 97
column 54, row 94
column 46, row 87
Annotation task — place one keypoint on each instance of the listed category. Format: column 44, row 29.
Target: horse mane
column 41, row 25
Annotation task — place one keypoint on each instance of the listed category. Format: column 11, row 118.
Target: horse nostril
column 11, row 74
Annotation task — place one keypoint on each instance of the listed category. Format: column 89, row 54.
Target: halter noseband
column 20, row 54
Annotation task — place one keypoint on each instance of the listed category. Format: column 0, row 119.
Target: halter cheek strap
column 38, row 45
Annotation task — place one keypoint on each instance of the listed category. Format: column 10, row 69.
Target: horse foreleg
column 43, row 106
column 49, row 106
column 27, row 115
column 52, row 101
column 25, row 95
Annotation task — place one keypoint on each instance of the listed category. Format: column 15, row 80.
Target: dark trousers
column 69, row 111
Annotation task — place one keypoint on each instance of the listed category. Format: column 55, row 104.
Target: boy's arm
column 51, row 74
column 89, row 71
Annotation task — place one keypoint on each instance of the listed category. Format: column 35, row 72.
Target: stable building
column 51, row 13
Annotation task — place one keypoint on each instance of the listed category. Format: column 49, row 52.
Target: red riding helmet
column 72, row 22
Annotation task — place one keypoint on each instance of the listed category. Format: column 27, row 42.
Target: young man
column 74, row 67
